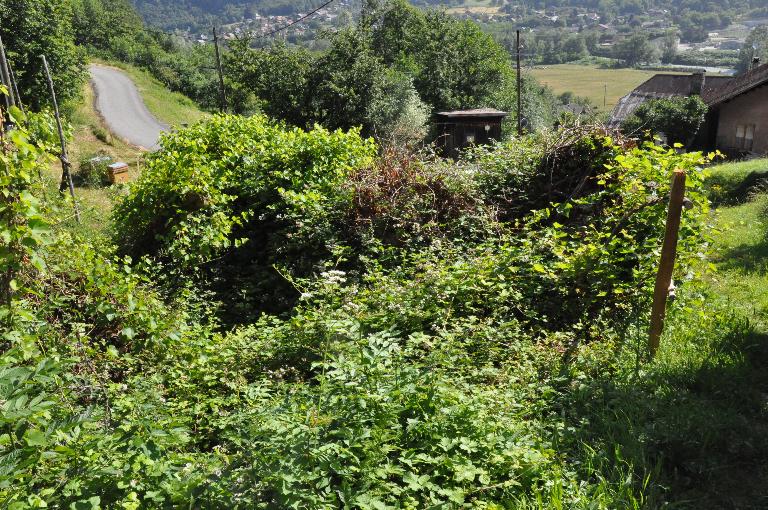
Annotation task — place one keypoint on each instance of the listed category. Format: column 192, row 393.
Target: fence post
column 66, row 177
column 667, row 262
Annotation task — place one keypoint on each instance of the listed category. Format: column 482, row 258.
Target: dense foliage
column 679, row 118
column 446, row 330
column 388, row 72
column 31, row 28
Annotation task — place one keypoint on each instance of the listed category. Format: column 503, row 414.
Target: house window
column 745, row 135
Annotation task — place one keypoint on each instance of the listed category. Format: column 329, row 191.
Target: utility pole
column 519, row 90
column 10, row 99
column 222, row 91
column 66, row 166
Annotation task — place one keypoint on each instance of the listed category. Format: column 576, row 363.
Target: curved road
column 119, row 102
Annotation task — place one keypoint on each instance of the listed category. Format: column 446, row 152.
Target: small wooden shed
column 459, row 129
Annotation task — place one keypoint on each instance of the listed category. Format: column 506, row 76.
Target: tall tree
column 31, row 28
column 635, row 49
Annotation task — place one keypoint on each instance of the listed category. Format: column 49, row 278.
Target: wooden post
column 667, row 263
column 10, row 99
column 222, row 89
column 519, row 89
column 66, row 166
column 16, row 89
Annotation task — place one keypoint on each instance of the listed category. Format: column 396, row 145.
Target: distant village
column 336, row 14
column 655, row 22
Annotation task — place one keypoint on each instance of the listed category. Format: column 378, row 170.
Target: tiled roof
column 664, row 86
column 737, row 86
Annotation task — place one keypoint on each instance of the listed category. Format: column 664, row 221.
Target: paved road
column 119, row 102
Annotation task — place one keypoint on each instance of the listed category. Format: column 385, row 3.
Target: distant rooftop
column 478, row 112
column 665, row 86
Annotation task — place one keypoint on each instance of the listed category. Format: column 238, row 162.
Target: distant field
column 476, row 7
column 591, row 81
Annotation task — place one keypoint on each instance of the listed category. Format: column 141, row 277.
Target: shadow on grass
column 724, row 191
column 699, row 428
column 746, row 258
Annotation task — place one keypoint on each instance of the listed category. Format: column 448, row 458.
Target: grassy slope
column 734, row 377
column 707, row 410
column 733, row 183
column 693, row 424
column 590, row 81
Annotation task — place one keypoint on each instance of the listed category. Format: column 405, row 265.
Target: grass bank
column 693, row 424
column 735, row 183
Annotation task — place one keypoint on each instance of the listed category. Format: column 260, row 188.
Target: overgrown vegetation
column 437, row 332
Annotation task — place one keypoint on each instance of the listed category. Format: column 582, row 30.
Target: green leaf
column 35, row 437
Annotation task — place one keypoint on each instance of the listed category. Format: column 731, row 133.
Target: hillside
column 183, row 14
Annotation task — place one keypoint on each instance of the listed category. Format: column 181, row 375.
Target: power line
column 289, row 25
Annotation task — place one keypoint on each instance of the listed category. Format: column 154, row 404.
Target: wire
column 289, row 25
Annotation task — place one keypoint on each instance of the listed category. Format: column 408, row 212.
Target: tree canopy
column 678, row 118
column 31, row 28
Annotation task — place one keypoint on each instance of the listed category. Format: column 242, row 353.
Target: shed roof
column 468, row 114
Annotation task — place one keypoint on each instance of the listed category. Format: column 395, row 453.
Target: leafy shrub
column 233, row 197
column 679, row 118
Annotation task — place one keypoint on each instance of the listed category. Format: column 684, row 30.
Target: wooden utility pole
column 10, row 99
column 519, row 89
column 66, row 166
column 667, row 263
column 222, row 90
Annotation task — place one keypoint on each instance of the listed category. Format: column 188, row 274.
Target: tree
column 31, row 28
column 397, row 115
column 346, row 80
column 678, row 118
column 634, row 49
column 453, row 63
column 669, row 47
column 279, row 77
column 97, row 23
column 755, row 46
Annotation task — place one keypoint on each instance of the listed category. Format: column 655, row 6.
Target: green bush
column 232, row 197
column 679, row 118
